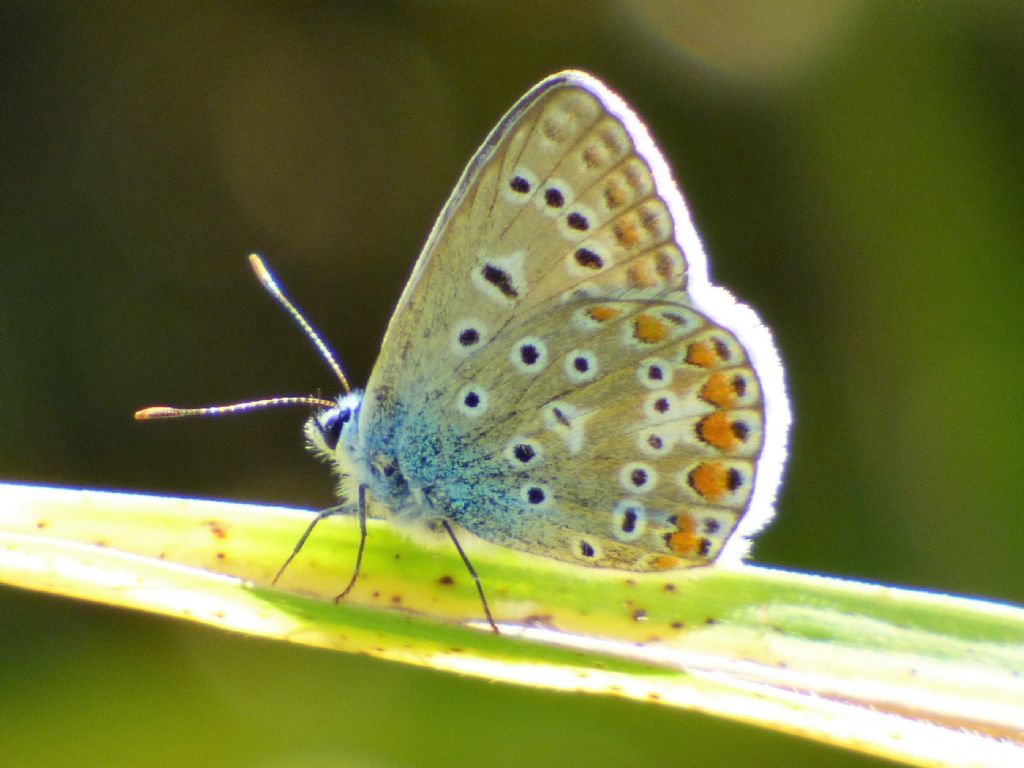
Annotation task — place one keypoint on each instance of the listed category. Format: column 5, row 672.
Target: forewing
column 557, row 203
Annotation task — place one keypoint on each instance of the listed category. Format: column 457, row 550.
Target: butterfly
column 559, row 376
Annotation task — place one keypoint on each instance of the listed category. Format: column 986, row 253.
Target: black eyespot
column 501, row 280
column 661, row 405
column 586, row 549
column 587, row 258
column 519, row 184
column 654, row 373
column 471, row 400
column 721, row 349
column 469, row 337
column 739, row 386
column 529, row 354
column 638, row 477
column 524, row 452
column 711, row 525
column 655, row 442
column 704, row 548
column 629, row 518
column 554, row 198
column 741, row 430
column 330, row 428
column 733, row 479
column 535, row 495
column 581, row 364
column 577, row 221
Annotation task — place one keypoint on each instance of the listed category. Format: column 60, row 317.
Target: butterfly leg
column 362, row 545
column 322, row 515
column 472, row 572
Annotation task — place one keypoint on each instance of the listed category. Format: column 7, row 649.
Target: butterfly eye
column 330, row 427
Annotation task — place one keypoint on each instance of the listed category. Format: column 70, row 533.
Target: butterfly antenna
column 269, row 282
column 170, row 412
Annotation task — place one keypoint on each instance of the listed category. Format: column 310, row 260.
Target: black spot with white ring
column 638, row 477
column 588, row 259
column 472, row 401
column 661, row 404
column 577, row 221
column 629, row 520
column 523, row 452
column 655, row 372
column 500, row 279
column 535, row 496
column 519, row 185
column 529, row 355
column 581, row 366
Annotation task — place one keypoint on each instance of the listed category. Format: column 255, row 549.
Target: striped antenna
column 170, row 412
column 269, row 283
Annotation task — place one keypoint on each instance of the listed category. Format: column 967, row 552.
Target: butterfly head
column 331, row 433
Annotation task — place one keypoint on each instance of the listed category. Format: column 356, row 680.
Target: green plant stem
column 926, row 679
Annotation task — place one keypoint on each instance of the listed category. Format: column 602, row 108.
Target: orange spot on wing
column 650, row 218
column 664, row 265
column 602, row 313
column 719, row 390
column 640, row 277
column 716, row 430
column 635, row 178
column 611, row 142
column 552, row 130
column 710, row 480
column 702, row 354
column 709, row 352
column 685, row 541
column 665, row 563
column 614, row 197
column 626, row 233
column 649, row 329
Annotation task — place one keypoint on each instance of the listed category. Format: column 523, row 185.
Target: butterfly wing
column 597, row 400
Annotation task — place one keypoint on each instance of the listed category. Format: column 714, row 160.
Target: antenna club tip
column 156, row 412
column 256, row 262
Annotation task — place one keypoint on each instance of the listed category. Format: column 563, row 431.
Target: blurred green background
column 856, row 170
